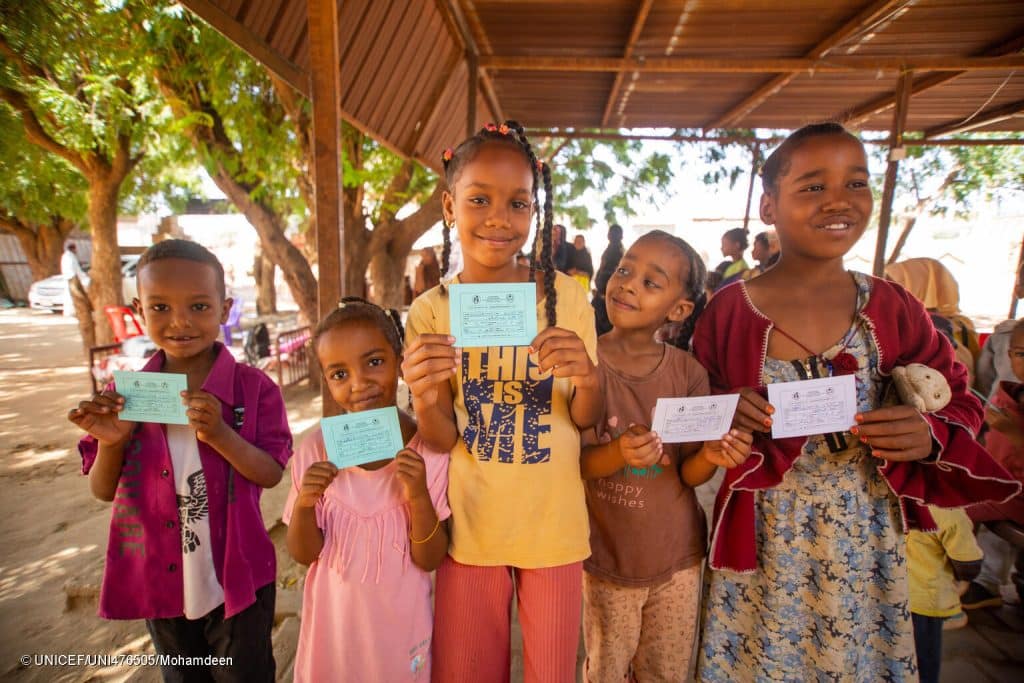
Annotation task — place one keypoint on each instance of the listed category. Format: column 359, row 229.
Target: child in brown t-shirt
column 641, row 584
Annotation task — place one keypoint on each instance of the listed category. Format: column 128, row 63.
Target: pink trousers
column 472, row 621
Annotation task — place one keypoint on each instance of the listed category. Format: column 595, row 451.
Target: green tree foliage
column 42, row 198
column 252, row 134
column 951, row 180
column 71, row 72
column 620, row 172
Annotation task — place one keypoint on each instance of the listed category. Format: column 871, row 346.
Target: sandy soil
column 54, row 532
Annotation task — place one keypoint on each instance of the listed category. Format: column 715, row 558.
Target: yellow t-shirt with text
column 514, row 483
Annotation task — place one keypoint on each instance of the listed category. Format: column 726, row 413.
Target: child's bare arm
column 305, row 540
column 965, row 571
column 732, row 450
column 427, row 366
column 564, row 354
column 586, row 405
column 106, row 472
column 99, row 418
column 251, row 461
column 428, row 535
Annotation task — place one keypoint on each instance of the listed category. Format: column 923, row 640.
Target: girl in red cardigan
column 808, row 568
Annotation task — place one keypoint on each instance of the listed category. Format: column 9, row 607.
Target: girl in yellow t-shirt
column 511, row 417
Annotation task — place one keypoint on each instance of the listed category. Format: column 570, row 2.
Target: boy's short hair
column 185, row 250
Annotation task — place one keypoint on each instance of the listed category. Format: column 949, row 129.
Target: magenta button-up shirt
column 142, row 578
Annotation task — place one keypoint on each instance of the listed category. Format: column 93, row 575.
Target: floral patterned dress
column 830, row 600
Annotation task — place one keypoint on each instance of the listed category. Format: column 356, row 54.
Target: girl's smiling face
column 360, row 366
column 491, row 205
column 646, row 289
column 822, row 202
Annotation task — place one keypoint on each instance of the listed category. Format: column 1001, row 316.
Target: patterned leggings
column 652, row 629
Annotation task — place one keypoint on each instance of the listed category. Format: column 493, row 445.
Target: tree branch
column 11, row 225
column 28, row 70
column 295, row 111
column 37, row 135
column 419, row 221
column 390, row 203
column 550, row 156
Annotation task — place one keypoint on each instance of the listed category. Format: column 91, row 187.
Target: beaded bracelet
column 436, row 527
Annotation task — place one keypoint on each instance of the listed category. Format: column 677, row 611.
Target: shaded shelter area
column 418, row 74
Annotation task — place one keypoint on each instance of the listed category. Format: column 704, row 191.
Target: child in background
column 734, row 243
column 1005, row 441
column 370, row 534
column 808, row 564
column 188, row 549
column 765, row 252
column 936, row 561
column 609, row 262
column 511, row 416
column 641, row 588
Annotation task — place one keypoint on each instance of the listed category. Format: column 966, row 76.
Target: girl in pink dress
column 370, row 534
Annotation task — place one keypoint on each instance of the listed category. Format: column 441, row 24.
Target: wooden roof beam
column 869, row 15
column 879, row 104
column 238, row 34
column 634, row 35
column 681, row 65
column 455, row 18
column 993, row 115
column 747, row 139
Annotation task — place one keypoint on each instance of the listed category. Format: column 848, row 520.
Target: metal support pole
column 1016, row 275
column 756, row 152
column 896, row 152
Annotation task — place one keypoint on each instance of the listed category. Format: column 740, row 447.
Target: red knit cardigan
column 731, row 341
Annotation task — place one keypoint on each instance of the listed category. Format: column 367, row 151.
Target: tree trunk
column 387, row 272
column 389, row 247
column 83, row 312
column 105, row 274
column 908, row 225
column 264, row 271
column 42, row 245
column 276, row 247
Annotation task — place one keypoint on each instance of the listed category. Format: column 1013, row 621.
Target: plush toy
column 921, row 387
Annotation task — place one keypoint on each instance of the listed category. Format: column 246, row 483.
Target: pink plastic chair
column 123, row 322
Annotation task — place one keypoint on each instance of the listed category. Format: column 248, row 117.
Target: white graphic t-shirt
column 203, row 593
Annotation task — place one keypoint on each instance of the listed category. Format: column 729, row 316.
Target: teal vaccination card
column 152, row 396
column 366, row 436
column 499, row 314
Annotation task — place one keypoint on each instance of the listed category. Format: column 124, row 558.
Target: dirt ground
column 54, row 532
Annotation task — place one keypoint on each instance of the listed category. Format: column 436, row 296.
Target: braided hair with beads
column 513, row 134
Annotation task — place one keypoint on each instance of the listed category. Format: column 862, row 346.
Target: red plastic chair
column 123, row 322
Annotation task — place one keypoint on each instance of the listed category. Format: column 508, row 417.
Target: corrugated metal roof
column 404, row 71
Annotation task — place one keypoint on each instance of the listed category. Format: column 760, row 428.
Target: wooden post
column 1016, row 275
column 756, row 151
column 325, row 70
column 896, row 152
column 472, row 77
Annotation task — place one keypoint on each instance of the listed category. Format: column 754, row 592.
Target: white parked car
column 48, row 294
